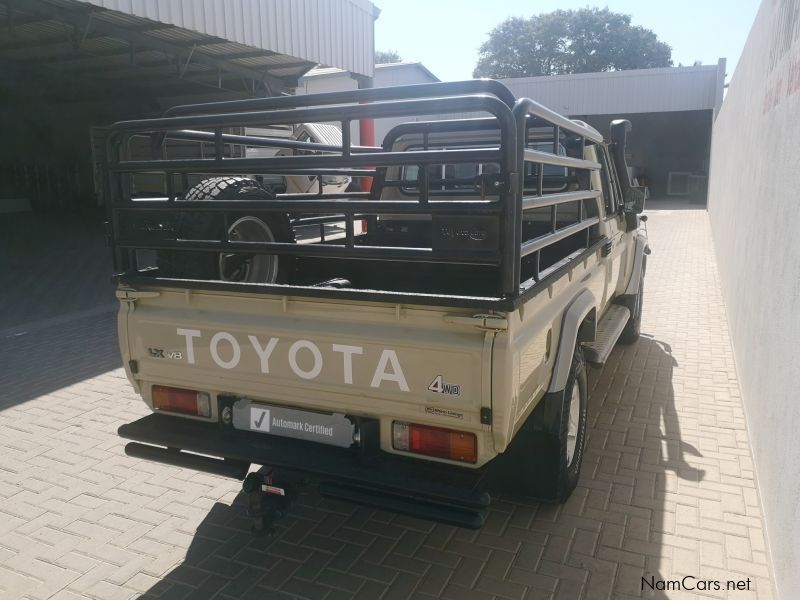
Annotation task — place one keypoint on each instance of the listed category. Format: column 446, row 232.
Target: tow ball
column 269, row 499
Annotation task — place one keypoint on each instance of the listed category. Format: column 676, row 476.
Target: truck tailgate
column 360, row 358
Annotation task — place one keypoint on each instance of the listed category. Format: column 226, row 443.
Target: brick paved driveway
column 667, row 487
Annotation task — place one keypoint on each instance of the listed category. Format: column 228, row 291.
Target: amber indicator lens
column 179, row 400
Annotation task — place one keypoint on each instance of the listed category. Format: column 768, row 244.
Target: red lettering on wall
column 794, row 77
column 773, row 96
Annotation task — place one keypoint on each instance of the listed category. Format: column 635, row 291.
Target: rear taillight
column 179, row 400
column 435, row 441
column 364, row 226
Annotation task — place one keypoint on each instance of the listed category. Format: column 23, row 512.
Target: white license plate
column 326, row 428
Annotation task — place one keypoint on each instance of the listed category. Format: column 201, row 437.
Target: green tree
column 387, row 56
column 569, row 41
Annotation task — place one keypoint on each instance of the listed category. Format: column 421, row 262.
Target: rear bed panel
column 366, row 359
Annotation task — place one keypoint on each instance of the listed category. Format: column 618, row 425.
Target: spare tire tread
column 226, row 188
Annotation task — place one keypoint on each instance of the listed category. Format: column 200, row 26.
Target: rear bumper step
column 177, row 458
column 414, row 487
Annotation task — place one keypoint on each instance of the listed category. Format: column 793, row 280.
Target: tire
column 255, row 227
column 544, row 459
column 634, row 303
column 227, row 188
column 572, row 435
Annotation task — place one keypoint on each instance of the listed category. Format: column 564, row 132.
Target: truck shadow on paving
column 616, row 529
column 638, row 460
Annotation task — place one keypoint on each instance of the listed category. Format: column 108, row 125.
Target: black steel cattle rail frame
column 510, row 117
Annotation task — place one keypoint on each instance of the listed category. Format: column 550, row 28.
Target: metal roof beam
column 42, row 75
column 294, row 65
column 207, row 79
column 87, row 23
column 74, row 39
column 84, row 54
column 46, row 43
column 126, row 69
column 73, row 56
column 60, row 87
column 13, row 21
column 141, row 72
column 251, row 54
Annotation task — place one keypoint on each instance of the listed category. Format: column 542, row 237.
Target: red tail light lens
column 435, row 441
column 179, row 400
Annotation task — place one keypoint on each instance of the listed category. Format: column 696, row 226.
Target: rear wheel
column 544, row 458
column 258, row 227
column 574, row 417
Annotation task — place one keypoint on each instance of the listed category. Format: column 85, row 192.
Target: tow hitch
column 269, row 499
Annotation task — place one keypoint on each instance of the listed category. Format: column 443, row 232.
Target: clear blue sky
column 445, row 34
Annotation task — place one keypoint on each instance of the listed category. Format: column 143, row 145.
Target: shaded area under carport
column 665, row 142
column 51, row 266
column 67, row 66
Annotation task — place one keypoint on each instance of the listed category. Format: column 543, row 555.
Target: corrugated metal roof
column 244, row 47
column 635, row 91
column 338, row 33
column 326, row 133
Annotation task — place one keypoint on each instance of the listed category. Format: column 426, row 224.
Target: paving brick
column 402, row 587
column 305, row 589
column 501, row 588
column 438, row 557
column 467, row 572
column 340, row 580
column 372, row 591
column 457, row 592
column 435, row 580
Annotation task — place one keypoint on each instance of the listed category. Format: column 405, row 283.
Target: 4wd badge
column 439, row 386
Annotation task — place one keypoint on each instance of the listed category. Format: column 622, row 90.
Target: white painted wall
column 755, row 215
column 626, row 92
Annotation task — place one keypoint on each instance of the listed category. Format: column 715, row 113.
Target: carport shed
column 68, row 65
column 672, row 111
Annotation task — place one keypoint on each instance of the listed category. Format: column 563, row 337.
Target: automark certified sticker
column 333, row 429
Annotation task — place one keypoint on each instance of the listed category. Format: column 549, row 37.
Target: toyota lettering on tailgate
column 226, row 352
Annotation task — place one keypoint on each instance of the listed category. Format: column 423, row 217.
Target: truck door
column 613, row 225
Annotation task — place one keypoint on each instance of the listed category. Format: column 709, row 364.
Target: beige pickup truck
column 428, row 346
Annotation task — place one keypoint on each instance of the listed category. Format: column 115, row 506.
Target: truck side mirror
column 633, row 196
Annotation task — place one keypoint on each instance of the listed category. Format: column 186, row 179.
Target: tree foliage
column 387, row 56
column 569, row 41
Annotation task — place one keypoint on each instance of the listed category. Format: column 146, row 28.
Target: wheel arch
column 578, row 325
column 638, row 260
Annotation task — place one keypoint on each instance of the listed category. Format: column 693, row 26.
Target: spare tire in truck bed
column 256, row 227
